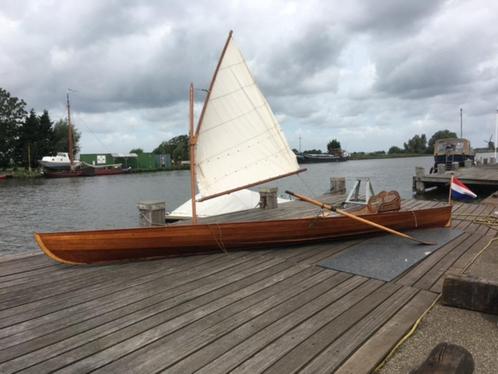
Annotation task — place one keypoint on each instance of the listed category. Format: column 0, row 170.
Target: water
column 45, row 205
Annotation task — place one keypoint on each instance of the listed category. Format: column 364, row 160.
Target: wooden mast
column 192, row 141
column 69, row 131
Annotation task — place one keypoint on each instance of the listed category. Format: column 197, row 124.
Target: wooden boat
column 182, row 240
column 237, row 144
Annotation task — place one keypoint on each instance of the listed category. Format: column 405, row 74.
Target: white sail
column 239, row 140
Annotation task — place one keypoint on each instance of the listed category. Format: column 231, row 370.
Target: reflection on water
column 48, row 205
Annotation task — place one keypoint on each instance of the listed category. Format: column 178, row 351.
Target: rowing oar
column 359, row 219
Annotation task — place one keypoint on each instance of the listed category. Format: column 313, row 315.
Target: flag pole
column 496, row 132
column 448, row 224
column 449, row 193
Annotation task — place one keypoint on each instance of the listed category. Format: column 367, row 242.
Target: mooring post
column 441, row 168
column 268, row 198
column 152, row 213
column 419, row 184
column 337, row 185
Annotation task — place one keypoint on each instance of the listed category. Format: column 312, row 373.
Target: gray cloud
column 392, row 17
column 386, row 69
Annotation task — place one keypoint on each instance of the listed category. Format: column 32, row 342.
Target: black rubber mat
column 385, row 257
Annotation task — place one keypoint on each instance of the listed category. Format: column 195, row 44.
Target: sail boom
column 250, row 185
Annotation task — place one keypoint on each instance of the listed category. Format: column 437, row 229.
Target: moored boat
column 312, row 158
column 61, row 161
column 452, row 150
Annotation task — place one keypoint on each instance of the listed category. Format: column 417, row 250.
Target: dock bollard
column 268, row 198
column 152, row 213
column 419, row 186
column 337, row 185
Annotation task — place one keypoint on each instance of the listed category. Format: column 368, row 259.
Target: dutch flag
column 460, row 190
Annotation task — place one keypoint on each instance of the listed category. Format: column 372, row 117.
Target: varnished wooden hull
column 88, row 247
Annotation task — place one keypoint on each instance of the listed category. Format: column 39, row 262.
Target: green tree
column 441, row 134
column 35, row 139
column 177, row 147
column 394, row 150
column 12, row 116
column 417, row 144
column 137, row 151
column 313, row 151
column 334, row 146
column 45, row 136
column 60, row 143
column 26, row 147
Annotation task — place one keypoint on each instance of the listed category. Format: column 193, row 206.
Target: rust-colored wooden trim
column 250, row 185
column 199, row 124
column 49, row 253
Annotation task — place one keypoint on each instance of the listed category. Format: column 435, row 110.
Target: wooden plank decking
column 271, row 311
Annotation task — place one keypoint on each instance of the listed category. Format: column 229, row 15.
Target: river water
column 45, row 205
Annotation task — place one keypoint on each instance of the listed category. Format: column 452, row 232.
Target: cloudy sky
column 370, row 73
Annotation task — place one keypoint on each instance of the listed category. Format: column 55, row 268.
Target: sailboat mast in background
column 192, row 141
column 69, row 132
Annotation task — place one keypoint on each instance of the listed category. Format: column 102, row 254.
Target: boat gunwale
column 188, row 225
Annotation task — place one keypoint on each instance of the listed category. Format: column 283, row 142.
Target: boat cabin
column 450, row 150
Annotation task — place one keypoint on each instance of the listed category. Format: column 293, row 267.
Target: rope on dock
column 407, row 335
column 490, row 221
column 419, row 320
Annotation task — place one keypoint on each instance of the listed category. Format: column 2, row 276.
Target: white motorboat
column 59, row 162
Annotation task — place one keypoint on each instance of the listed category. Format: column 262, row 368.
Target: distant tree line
column 177, row 147
column 418, row 144
column 27, row 137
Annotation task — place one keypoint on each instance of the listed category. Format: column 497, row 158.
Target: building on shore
column 141, row 161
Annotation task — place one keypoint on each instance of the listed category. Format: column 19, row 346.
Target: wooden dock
column 485, row 177
column 272, row 311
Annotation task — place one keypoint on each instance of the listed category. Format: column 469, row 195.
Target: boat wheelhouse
column 451, row 150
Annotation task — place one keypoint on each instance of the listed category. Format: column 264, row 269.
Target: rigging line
column 96, row 137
